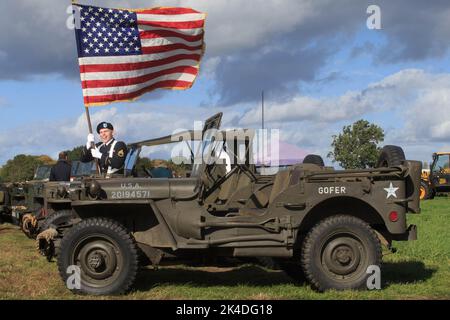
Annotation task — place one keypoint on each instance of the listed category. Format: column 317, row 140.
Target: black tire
column 424, row 190
column 56, row 219
column 314, row 159
column 105, row 253
column 337, row 252
column 432, row 194
column 390, row 156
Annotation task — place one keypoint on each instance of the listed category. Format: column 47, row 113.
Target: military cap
column 104, row 125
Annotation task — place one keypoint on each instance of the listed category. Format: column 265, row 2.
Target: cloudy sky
column 319, row 65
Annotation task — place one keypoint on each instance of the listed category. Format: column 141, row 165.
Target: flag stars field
column 123, row 54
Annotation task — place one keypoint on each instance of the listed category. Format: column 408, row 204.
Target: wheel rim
column 100, row 260
column 422, row 193
column 343, row 256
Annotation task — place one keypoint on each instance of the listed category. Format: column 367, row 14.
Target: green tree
column 141, row 165
column 357, row 146
column 22, row 167
column 75, row 153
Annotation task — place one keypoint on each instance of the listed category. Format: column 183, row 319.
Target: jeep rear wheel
column 105, row 253
column 337, row 252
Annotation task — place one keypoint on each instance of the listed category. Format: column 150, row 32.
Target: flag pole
column 88, row 118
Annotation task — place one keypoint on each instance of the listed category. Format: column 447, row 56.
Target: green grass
column 419, row 270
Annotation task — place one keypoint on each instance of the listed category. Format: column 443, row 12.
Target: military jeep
column 20, row 198
column 27, row 201
column 319, row 224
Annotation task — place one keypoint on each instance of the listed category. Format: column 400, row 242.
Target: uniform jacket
column 114, row 161
column 60, row 171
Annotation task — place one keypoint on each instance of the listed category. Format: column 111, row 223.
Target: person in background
column 61, row 170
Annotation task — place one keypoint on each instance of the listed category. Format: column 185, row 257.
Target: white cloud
column 419, row 100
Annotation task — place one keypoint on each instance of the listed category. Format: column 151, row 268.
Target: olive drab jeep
column 27, row 201
column 23, row 199
column 317, row 223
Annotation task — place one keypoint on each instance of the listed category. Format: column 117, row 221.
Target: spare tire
column 390, row 156
column 314, row 159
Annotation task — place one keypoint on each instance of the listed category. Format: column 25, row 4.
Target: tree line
column 356, row 147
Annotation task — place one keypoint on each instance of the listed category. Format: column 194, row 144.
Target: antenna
column 262, row 108
column 262, row 125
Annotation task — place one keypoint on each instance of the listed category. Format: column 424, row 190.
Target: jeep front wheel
column 337, row 252
column 105, row 254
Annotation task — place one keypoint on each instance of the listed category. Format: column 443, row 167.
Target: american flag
column 124, row 53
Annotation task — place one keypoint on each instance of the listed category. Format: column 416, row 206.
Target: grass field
column 419, row 270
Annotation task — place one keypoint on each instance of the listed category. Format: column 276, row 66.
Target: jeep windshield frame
column 206, row 136
column 42, row 172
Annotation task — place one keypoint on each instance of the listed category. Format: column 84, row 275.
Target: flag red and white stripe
column 172, row 45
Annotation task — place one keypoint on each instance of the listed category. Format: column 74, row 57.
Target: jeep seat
column 280, row 184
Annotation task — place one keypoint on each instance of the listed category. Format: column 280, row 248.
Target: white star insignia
column 391, row 191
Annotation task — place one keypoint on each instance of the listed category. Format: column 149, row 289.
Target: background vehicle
column 437, row 179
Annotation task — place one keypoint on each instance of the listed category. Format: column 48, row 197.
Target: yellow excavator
column 437, row 178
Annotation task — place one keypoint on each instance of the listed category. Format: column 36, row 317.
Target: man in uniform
column 61, row 170
column 110, row 152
